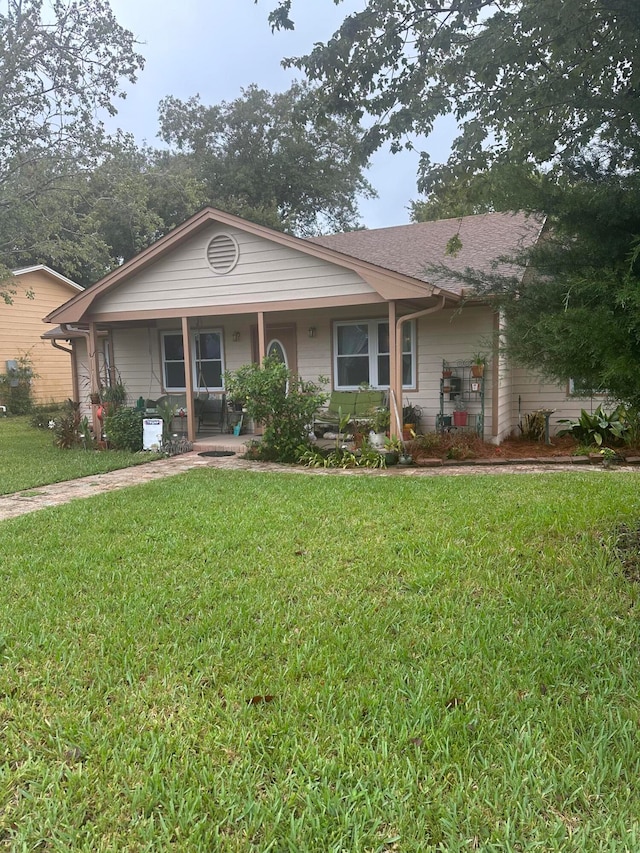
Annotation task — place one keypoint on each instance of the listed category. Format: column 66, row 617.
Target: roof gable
column 389, row 284
column 51, row 273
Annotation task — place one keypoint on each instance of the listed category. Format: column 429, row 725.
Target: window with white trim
column 361, row 354
column 207, row 361
column 582, row 388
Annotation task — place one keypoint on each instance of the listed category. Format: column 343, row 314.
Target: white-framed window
column 582, row 388
column 207, row 360
column 361, row 354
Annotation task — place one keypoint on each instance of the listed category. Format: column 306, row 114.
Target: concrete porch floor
column 222, row 441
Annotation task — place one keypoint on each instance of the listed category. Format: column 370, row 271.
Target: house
column 38, row 290
column 362, row 307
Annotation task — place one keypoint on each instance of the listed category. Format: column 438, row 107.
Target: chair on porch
column 358, row 405
column 211, row 412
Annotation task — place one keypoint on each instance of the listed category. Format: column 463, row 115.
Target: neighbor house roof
column 56, row 275
column 416, row 250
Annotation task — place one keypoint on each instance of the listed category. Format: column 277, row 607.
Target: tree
column 59, row 68
column 259, row 157
column 547, row 98
column 528, row 80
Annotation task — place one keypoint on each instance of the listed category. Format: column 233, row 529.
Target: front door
column 281, row 342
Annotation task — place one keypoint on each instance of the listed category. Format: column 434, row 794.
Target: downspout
column 397, row 383
column 56, row 345
column 75, row 395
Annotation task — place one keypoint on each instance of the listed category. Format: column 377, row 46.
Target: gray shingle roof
column 413, row 249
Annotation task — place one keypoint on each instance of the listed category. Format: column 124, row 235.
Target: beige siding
column 266, row 272
column 453, row 336
column 531, row 392
column 446, row 335
column 82, row 369
column 450, row 335
column 21, row 328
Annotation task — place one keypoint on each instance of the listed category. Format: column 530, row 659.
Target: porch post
column 262, row 337
column 94, row 376
column 188, row 381
column 395, row 372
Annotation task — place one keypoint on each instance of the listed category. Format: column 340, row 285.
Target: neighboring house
column 38, row 291
column 219, row 292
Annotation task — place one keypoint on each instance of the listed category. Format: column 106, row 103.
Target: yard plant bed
column 466, row 446
column 234, row 661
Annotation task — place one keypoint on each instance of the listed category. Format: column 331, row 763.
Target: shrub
column 598, row 427
column 15, row 386
column 279, row 400
column 41, row 416
column 533, row 426
column 66, row 426
column 123, row 429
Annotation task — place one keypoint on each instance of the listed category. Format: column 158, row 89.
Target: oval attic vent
column 222, row 253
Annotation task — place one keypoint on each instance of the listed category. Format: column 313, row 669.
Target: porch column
column 395, row 373
column 94, row 376
column 188, row 381
column 262, row 337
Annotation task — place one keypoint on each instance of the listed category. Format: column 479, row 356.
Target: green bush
column 279, row 400
column 598, row 428
column 41, row 416
column 16, row 391
column 66, row 426
column 123, row 429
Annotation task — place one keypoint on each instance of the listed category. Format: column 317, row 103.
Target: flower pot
column 477, row 371
column 446, row 374
column 377, row 439
column 460, row 419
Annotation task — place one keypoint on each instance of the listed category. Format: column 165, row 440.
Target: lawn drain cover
column 218, row 453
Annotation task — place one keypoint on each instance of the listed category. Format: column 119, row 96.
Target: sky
column 215, row 48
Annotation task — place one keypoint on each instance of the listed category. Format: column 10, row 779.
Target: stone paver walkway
column 55, row 494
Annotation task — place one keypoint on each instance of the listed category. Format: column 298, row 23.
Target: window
column 582, row 388
column 206, row 358
column 361, row 354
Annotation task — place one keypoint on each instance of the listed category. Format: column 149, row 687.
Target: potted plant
column 392, row 450
column 460, row 414
column 113, row 396
column 446, row 370
column 379, row 426
column 410, row 419
column 477, row 365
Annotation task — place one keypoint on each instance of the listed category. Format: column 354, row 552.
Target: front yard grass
column 29, row 458
column 231, row 661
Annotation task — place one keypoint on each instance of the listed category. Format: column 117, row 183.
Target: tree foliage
column 279, row 400
column 527, row 80
column 259, row 156
column 60, row 65
column 547, row 98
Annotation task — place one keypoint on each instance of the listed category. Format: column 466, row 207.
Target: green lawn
column 28, row 458
column 233, row 661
